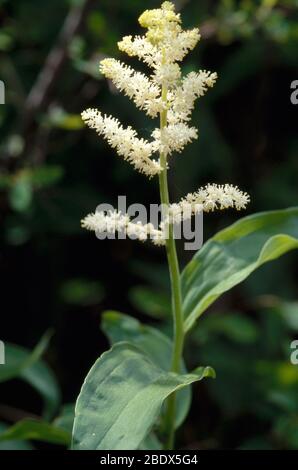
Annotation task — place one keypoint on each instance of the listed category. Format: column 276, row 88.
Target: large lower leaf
column 121, row 398
column 120, row 327
column 233, row 254
column 156, row 345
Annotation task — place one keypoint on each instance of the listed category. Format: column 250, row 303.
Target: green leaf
column 121, row 398
column 42, row 379
column 156, row 345
column 20, row 194
column 13, row 444
column 120, row 327
column 204, row 372
column 65, row 419
column 26, row 365
column 234, row 326
column 154, row 303
column 233, row 254
column 288, row 311
column 28, row 429
column 17, row 359
column 151, row 442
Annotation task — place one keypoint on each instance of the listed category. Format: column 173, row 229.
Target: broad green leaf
column 233, row 254
column 29, row 429
column 26, row 365
column 120, row 327
column 121, row 398
column 157, row 346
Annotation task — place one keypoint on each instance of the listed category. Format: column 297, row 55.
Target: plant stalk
column 178, row 331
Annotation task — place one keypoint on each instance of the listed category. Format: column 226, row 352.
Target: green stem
column 176, row 293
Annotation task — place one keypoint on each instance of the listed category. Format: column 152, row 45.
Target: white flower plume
column 138, row 87
column 166, row 34
column 140, row 47
column 124, row 141
column 182, row 98
column 162, row 47
column 215, row 196
column 208, row 198
column 115, row 221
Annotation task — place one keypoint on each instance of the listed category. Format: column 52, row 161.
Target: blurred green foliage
column 53, row 171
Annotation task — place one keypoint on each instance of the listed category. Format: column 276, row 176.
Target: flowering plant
column 137, row 393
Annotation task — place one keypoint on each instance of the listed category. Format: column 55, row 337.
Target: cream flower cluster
column 174, row 137
column 183, row 98
column 167, row 93
column 165, row 34
column 124, row 141
column 207, row 199
column 162, row 47
column 214, row 196
column 115, row 221
column 138, row 87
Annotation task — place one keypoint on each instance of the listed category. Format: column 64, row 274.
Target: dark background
column 53, row 171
